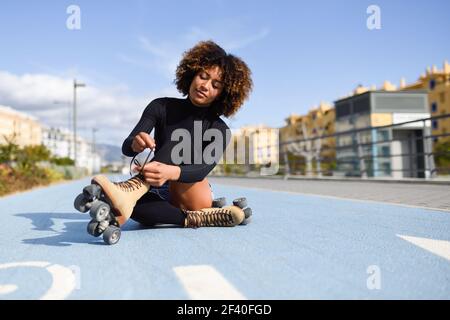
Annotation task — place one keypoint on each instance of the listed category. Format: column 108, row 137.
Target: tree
column 8, row 151
column 442, row 155
column 307, row 148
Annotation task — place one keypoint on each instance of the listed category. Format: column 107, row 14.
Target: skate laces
column 131, row 184
column 136, row 162
column 219, row 217
column 138, row 180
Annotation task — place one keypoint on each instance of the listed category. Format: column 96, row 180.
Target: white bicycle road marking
column 7, row 288
column 205, row 282
column 438, row 247
column 63, row 279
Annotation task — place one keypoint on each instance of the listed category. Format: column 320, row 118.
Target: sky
column 126, row 52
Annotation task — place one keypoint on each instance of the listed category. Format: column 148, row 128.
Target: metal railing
column 362, row 158
column 368, row 153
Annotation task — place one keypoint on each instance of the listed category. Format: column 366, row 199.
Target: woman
column 168, row 190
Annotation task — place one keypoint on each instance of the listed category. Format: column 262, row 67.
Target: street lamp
column 75, row 86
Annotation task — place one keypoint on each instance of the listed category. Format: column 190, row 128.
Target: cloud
column 111, row 110
column 244, row 42
column 161, row 58
column 231, row 38
column 164, row 57
column 151, row 48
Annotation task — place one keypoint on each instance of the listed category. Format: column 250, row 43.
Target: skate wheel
column 92, row 191
column 99, row 211
column 248, row 212
column 111, row 235
column 240, row 202
column 92, row 228
column 246, row 221
column 219, row 202
column 81, row 203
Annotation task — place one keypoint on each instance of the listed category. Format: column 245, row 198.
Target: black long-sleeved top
column 168, row 114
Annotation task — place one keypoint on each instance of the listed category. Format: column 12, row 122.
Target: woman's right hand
column 141, row 141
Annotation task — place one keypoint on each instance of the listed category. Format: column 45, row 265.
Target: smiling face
column 206, row 86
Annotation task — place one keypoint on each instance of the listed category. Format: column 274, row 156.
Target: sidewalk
column 422, row 194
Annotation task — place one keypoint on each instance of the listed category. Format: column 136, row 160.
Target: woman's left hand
column 157, row 173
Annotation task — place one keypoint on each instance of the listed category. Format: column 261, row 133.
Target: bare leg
column 190, row 196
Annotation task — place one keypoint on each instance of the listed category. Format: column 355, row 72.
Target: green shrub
column 65, row 161
column 443, row 150
column 21, row 168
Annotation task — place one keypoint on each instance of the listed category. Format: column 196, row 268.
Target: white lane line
column 438, row 247
column 204, row 282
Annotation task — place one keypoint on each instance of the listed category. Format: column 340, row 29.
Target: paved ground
column 420, row 195
column 297, row 247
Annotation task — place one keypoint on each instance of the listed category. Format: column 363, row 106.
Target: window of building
column 351, row 120
column 342, row 109
column 434, row 107
column 383, row 135
column 432, row 84
column 386, row 167
column 385, row 151
column 361, row 104
column 434, row 124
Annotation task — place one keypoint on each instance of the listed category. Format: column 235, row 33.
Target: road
column 298, row 246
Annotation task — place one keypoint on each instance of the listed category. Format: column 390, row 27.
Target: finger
column 152, row 167
column 153, row 176
column 149, row 142
column 136, row 147
column 140, row 142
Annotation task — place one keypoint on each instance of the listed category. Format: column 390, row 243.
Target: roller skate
column 239, row 202
column 110, row 204
column 228, row 216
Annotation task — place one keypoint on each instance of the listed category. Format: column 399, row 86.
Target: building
column 261, row 144
column 60, row 143
column 437, row 85
column 318, row 122
column 25, row 130
column 19, row 127
column 379, row 157
column 250, row 147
